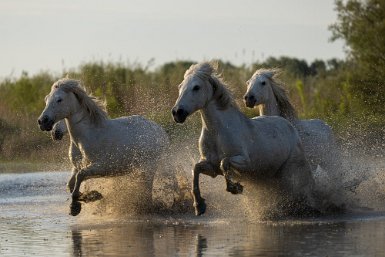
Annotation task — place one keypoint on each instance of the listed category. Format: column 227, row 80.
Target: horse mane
column 96, row 108
column 208, row 71
column 285, row 107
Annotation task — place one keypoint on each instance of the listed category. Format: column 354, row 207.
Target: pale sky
column 37, row 35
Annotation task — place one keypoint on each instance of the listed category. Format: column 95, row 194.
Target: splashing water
column 358, row 185
column 123, row 223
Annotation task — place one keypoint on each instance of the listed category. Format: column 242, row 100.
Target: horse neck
column 79, row 125
column 216, row 119
column 270, row 107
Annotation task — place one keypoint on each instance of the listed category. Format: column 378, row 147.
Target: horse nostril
column 43, row 120
column 251, row 97
column 179, row 111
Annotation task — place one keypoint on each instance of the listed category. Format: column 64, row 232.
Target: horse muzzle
column 179, row 114
column 250, row 101
column 45, row 123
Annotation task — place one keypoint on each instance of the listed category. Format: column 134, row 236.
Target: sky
column 52, row 35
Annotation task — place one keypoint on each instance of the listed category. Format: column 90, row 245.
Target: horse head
column 196, row 90
column 60, row 103
column 66, row 98
column 259, row 88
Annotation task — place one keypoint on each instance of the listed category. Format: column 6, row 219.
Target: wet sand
column 34, row 221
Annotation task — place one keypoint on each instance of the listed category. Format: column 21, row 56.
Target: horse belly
column 266, row 166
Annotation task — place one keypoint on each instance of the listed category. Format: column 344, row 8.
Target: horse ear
column 270, row 74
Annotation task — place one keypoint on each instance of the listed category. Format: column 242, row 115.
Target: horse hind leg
column 298, row 183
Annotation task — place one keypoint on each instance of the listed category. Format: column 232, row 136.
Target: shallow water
column 34, row 222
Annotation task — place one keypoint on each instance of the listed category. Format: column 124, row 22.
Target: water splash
column 358, row 185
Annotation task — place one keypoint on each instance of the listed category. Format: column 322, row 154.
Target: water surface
column 34, row 222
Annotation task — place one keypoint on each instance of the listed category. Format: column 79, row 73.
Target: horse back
column 139, row 127
column 274, row 141
column 316, row 130
column 274, row 128
column 125, row 139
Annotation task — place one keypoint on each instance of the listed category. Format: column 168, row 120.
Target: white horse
column 263, row 148
column 271, row 98
column 173, row 189
column 108, row 147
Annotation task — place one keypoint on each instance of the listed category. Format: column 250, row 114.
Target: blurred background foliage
column 348, row 94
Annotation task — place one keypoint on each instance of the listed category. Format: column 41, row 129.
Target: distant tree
column 298, row 68
column 361, row 24
column 317, row 67
column 334, row 64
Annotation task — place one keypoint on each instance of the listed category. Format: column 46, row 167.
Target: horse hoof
column 235, row 188
column 91, row 196
column 200, row 208
column 75, row 208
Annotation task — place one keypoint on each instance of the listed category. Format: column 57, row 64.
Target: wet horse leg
column 93, row 171
column 82, row 175
column 72, row 180
column 237, row 162
column 206, row 168
column 75, row 157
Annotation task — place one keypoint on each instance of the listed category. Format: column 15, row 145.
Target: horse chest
column 227, row 146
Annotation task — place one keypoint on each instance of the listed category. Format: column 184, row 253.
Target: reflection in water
column 212, row 238
column 201, row 245
column 77, row 243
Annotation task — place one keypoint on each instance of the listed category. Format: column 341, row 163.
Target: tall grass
column 133, row 89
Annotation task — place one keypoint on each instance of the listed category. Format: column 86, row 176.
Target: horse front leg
column 75, row 157
column 92, row 171
column 206, row 168
column 230, row 165
column 72, row 180
column 84, row 174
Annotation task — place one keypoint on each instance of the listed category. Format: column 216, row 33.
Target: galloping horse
column 271, row 98
column 232, row 145
column 108, row 147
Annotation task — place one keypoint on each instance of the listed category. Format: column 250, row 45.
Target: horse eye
column 196, row 88
column 263, row 83
column 59, row 100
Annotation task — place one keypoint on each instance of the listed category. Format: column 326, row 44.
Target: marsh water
column 34, row 221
